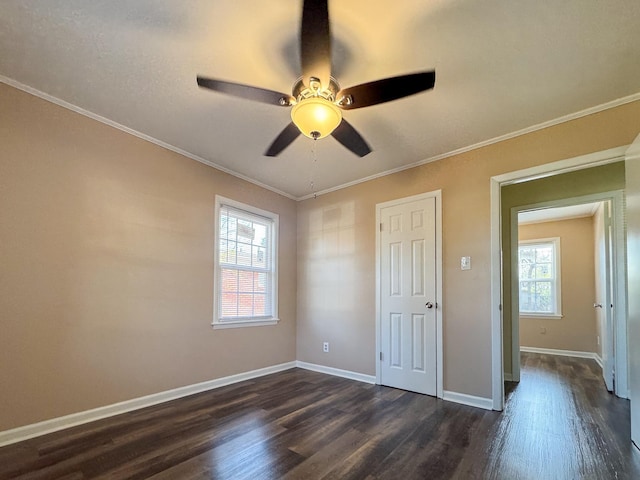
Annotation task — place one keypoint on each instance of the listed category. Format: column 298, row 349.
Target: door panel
column 407, row 286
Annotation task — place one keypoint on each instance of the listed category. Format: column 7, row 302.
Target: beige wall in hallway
column 336, row 248
column 577, row 329
column 106, row 277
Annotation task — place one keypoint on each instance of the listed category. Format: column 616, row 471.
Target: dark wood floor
column 559, row 423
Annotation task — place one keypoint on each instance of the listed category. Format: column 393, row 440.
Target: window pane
column 260, row 237
column 245, row 305
column 231, row 228
column 527, row 254
column 543, row 271
column 543, row 297
column 245, row 231
column 544, row 254
column 245, row 283
column 527, row 269
column 228, row 252
column 260, row 282
column 259, row 257
column 527, row 296
column 260, row 305
column 244, row 255
column 229, row 280
column 229, row 304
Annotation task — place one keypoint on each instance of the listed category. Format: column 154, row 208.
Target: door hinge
column 380, row 227
column 380, row 356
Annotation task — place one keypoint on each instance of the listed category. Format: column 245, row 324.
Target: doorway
column 563, row 282
column 409, row 290
column 587, row 178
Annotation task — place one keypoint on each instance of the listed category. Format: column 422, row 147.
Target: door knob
column 429, row 305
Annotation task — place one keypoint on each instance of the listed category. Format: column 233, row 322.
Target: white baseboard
column 464, row 399
column 360, row 377
column 598, row 360
column 49, row 426
column 563, row 353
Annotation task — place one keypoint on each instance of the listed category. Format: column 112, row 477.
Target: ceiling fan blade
column 315, row 42
column 282, row 141
column 350, row 138
column 385, row 90
column 246, row 91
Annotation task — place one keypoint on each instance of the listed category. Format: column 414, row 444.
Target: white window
column 245, row 265
column 539, row 275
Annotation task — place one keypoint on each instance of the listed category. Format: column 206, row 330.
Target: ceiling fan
column 316, row 98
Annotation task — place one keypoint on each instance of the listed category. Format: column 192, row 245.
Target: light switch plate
column 465, row 263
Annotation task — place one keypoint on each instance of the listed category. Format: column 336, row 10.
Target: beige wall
column 106, row 277
column 588, row 181
column 336, row 293
column 576, row 330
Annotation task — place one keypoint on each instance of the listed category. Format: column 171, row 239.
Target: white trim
column 135, row 133
column 594, row 159
column 598, row 360
column 470, row 400
column 497, row 361
column 244, row 323
column 562, row 353
column 562, row 166
column 337, row 372
column 540, row 126
column 437, row 194
column 60, row 423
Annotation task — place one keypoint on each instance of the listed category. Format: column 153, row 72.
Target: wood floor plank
column 559, row 423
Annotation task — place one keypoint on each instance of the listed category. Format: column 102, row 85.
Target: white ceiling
column 557, row 213
column 502, row 66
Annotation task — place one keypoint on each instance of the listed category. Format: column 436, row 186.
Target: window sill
column 555, row 316
column 244, row 323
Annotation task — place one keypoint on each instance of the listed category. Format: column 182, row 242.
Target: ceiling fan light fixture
column 316, row 117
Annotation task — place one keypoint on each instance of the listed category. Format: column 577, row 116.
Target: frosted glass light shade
column 316, row 117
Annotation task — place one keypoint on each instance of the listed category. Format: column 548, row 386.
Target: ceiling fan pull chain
column 314, row 160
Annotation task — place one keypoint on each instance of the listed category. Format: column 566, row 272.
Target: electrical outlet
column 325, row 347
column 598, row 338
column 543, row 330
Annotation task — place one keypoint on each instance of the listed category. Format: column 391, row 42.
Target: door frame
column 437, row 195
column 616, row 346
column 554, row 168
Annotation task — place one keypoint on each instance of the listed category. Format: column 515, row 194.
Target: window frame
column 219, row 322
column 557, row 282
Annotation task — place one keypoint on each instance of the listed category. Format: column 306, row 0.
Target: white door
column 408, row 296
column 603, row 285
